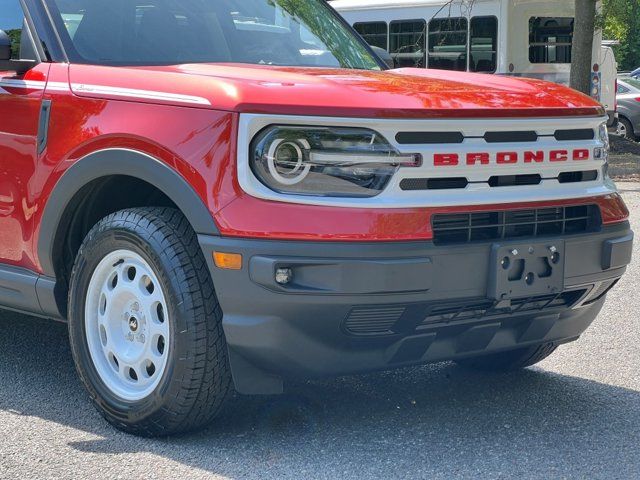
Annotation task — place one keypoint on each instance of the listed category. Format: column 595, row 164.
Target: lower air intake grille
column 373, row 320
column 600, row 291
column 457, row 312
column 487, row 226
column 411, row 318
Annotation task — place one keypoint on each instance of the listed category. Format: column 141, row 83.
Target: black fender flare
column 104, row 163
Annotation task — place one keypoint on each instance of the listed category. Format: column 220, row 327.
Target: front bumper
column 355, row 307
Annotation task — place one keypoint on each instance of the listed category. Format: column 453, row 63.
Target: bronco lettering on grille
column 510, row 158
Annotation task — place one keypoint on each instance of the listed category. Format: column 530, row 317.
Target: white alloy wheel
column 126, row 325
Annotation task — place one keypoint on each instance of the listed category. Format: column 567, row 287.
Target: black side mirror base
column 384, row 56
column 19, row 66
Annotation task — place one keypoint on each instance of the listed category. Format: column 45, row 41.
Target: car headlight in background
column 326, row 161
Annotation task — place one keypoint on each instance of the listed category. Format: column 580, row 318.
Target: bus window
column 484, row 44
column 407, row 43
column 550, row 39
column 374, row 33
column 448, row 43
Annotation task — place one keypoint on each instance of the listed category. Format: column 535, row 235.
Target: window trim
column 471, row 19
column 383, row 22
column 425, row 56
column 468, row 42
column 531, row 44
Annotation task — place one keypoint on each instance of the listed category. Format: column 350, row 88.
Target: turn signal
column 228, row 261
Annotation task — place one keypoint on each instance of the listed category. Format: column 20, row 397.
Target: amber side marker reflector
column 227, row 261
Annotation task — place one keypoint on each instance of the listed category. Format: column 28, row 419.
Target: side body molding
column 108, row 162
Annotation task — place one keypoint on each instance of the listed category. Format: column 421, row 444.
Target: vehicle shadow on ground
column 427, row 422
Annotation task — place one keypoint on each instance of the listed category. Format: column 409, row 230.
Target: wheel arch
column 87, row 171
column 623, row 116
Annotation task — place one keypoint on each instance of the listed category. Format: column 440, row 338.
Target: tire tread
column 206, row 383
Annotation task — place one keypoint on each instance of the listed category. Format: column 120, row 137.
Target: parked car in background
column 629, row 108
column 635, row 73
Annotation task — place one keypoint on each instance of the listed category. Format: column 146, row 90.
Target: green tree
column 622, row 22
column 14, row 35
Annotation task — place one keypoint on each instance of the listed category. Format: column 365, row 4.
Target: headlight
column 604, row 135
column 325, row 161
column 602, row 153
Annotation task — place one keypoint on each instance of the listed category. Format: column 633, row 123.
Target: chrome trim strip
column 140, row 94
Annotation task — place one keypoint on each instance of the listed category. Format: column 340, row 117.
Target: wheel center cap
column 133, row 324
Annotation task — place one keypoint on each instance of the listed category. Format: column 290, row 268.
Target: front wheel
column 145, row 324
column 510, row 360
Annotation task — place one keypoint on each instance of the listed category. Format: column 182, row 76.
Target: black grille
column 576, row 177
column 576, row 134
column 458, row 312
column 449, row 183
column 391, row 319
column 433, row 138
column 433, row 183
column 509, row 137
column 373, row 320
column 486, row 226
column 429, row 138
column 515, row 180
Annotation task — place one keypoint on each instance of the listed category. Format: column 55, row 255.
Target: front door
column 21, row 103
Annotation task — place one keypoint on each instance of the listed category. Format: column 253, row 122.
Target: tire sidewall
column 98, row 244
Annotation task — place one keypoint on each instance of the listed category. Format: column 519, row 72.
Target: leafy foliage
column 622, row 22
column 337, row 39
column 14, row 35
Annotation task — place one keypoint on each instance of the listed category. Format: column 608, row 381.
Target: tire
column 625, row 129
column 510, row 360
column 145, row 324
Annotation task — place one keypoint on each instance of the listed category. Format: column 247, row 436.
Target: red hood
column 405, row 92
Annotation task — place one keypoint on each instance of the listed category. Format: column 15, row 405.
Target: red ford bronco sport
column 221, row 194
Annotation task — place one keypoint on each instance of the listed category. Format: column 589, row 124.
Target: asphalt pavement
column 577, row 415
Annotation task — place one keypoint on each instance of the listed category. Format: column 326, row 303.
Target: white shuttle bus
column 529, row 38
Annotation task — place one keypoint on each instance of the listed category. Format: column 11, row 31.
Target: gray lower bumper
column 354, row 307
